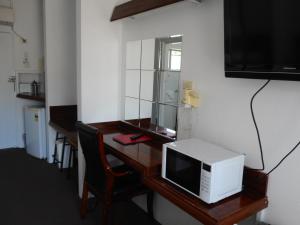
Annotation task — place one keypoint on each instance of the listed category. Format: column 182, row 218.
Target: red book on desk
column 125, row 139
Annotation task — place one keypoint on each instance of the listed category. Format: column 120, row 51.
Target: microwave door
column 184, row 171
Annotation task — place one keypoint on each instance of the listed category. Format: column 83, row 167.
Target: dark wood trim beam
column 134, row 7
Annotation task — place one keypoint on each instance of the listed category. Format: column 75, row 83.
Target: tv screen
column 262, row 39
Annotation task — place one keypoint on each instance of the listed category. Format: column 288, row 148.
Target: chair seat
column 125, row 185
column 128, row 184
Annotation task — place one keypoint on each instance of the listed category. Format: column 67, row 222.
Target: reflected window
column 174, row 59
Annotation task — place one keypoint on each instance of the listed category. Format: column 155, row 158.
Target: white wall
column 224, row 116
column 100, row 70
column 29, row 24
column 98, row 65
column 60, row 57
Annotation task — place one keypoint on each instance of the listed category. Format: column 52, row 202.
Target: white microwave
column 205, row 170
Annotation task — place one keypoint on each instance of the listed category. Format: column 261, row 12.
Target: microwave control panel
column 205, row 181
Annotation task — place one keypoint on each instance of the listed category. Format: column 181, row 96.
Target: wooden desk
column 146, row 158
column 226, row 212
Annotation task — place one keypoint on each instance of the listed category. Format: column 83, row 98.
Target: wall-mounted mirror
column 152, row 83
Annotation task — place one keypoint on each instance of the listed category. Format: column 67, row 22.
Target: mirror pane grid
column 152, row 83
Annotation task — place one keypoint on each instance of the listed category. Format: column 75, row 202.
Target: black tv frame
column 283, row 73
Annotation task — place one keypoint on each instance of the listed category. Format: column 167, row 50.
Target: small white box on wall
column 7, row 16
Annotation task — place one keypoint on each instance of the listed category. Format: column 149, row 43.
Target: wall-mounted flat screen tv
column 262, row 39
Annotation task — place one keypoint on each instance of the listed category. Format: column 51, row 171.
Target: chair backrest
column 91, row 141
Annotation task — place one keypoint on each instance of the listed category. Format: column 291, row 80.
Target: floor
column 33, row 192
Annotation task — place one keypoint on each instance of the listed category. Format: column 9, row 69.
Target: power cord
column 257, row 130
column 281, row 161
column 18, row 35
column 259, row 139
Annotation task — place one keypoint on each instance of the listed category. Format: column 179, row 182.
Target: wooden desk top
column 226, row 212
column 146, row 158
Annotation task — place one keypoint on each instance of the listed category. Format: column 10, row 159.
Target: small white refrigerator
column 35, row 131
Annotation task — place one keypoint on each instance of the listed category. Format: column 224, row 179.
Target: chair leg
column 55, row 149
column 107, row 204
column 150, row 197
column 84, row 200
column 63, row 155
column 70, row 161
column 106, row 210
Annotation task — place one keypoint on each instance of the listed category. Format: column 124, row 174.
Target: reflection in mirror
column 167, row 116
column 170, row 74
column 132, row 84
column 133, row 55
column 169, row 87
column 147, row 113
column 131, row 108
column 152, row 77
column 148, row 83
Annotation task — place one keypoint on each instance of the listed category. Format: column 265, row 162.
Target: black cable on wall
column 255, row 124
column 259, row 138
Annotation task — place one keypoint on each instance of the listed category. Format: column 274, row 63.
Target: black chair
column 107, row 183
